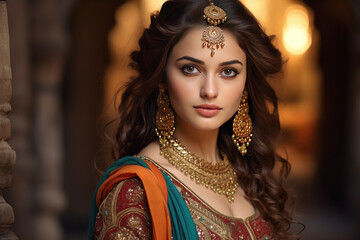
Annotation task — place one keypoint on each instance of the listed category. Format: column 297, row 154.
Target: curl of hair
column 137, row 110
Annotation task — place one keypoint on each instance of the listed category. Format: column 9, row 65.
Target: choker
column 219, row 177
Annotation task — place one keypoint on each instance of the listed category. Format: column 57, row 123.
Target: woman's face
column 205, row 91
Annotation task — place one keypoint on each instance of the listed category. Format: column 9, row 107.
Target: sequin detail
column 135, row 194
column 214, row 225
column 124, row 213
column 128, row 216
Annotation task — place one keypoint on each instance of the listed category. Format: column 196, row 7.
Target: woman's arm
column 124, row 214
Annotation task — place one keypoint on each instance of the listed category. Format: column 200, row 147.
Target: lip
column 207, row 110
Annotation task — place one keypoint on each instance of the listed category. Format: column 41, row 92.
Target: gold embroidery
column 203, row 232
column 250, row 230
column 122, row 234
column 135, row 195
column 130, row 210
column 136, row 223
column 108, row 206
column 111, row 219
column 183, row 186
column 207, row 220
column 108, row 213
column 205, row 217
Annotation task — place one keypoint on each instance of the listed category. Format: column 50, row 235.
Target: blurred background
column 69, row 57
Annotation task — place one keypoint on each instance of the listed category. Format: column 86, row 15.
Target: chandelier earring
column 165, row 120
column 242, row 126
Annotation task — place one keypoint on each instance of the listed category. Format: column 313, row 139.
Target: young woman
column 197, row 132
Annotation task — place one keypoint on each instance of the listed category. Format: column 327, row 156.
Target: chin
column 203, row 124
column 207, row 126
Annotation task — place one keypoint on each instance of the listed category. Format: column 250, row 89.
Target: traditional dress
column 138, row 199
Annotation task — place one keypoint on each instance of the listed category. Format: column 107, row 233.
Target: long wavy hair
column 135, row 125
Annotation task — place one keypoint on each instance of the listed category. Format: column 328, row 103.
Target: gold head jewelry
column 242, row 126
column 213, row 36
column 220, row 177
column 165, row 120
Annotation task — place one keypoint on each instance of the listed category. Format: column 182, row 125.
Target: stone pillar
column 49, row 49
column 21, row 118
column 7, row 155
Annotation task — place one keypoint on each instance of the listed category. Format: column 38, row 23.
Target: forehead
column 191, row 45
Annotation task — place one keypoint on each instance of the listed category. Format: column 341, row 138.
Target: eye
column 189, row 69
column 229, row 72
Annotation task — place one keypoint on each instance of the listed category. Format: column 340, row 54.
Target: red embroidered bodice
column 124, row 214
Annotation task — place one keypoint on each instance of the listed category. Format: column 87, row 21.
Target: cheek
column 234, row 95
column 178, row 91
column 235, row 101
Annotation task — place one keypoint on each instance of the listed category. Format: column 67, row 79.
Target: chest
column 240, row 208
column 211, row 224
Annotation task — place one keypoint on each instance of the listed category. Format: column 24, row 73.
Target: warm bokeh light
column 149, row 7
column 123, row 33
column 296, row 32
column 259, row 8
column 152, row 5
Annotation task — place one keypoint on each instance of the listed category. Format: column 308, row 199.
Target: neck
column 202, row 143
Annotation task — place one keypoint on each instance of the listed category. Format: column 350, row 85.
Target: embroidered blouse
column 124, row 214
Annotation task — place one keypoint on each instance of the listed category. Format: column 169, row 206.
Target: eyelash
column 185, row 68
column 233, row 70
column 185, row 71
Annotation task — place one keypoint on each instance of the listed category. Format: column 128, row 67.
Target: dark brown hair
column 137, row 111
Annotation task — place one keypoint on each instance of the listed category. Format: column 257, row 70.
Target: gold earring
column 165, row 120
column 242, row 126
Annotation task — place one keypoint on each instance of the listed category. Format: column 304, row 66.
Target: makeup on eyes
column 233, row 70
column 191, row 66
column 189, row 69
column 192, row 69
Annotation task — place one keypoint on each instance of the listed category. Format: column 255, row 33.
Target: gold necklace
column 219, row 177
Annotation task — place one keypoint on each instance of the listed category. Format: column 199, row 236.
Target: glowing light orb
column 296, row 32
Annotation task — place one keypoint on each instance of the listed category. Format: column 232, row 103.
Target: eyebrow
column 202, row 62
column 190, row 59
column 231, row 62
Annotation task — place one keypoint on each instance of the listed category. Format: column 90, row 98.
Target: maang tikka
column 242, row 126
column 213, row 36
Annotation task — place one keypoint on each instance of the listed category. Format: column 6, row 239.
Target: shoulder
column 152, row 151
column 129, row 192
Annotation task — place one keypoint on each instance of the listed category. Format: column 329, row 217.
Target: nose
column 209, row 88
